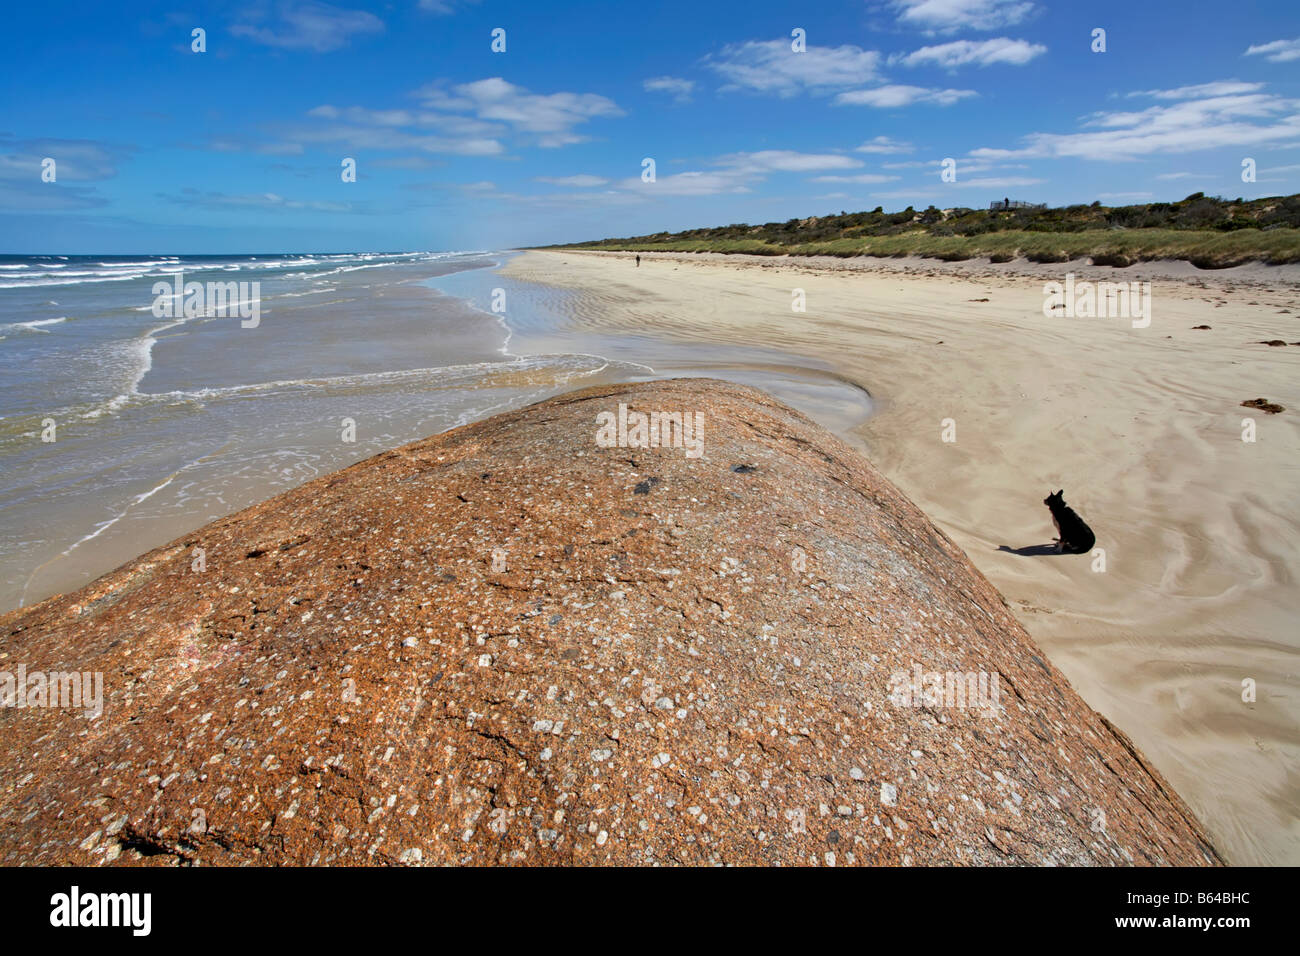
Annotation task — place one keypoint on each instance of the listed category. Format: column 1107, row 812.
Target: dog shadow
column 1032, row 550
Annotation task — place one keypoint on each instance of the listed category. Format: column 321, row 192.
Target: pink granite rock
column 509, row 644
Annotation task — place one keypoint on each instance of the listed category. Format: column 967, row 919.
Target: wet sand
column 1141, row 427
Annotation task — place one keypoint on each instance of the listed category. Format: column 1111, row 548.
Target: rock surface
column 509, row 644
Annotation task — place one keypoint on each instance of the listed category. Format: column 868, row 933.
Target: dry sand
column 1141, row 427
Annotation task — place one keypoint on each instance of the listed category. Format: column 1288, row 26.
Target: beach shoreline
column 162, row 424
column 1142, row 428
column 209, row 428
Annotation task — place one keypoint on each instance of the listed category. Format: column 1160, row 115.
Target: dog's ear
column 1061, row 492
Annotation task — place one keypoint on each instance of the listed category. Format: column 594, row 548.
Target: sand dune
column 1142, row 427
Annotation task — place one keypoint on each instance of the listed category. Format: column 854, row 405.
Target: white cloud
column 280, row 149
column 965, row 167
column 679, row 88
column 739, row 173
column 770, row 66
column 883, row 144
column 603, row 199
column 1279, row 51
column 695, row 183
column 425, row 119
column 994, row 182
column 496, row 107
column 1186, row 125
column 578, row 182
column 306, row 25
column 896, row 95
column 75, row 159
column 405, row 162
column 859, row 178
column 551, row 118
column 967, row 52
column 1270, row 174
column 358, row 114
column 31, row 194
column 1200, row 90
column 908, row 194
column 947, row 16
column 266, row 149
column 268, row 201
column 787, row 161
column 387, row 138
column 443, row 7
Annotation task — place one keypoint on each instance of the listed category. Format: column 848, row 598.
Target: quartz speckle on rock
column 689, row 668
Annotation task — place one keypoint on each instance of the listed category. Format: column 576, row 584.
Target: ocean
column 128, row 419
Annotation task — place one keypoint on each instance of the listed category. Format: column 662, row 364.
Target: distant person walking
column 638, row 261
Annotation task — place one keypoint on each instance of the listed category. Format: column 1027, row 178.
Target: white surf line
column 501, row 318
column 398, row 376
column 35, row 324
column 596, row 371
column 143, row 348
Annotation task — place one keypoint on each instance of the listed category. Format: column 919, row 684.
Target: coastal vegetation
column 1208, row 232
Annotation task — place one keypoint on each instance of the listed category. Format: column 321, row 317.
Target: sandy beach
column 1141, row 427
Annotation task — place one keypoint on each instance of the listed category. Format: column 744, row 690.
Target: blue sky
column 161, row 149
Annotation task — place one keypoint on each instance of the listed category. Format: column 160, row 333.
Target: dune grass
column 1210, row 232
column 1208, row 249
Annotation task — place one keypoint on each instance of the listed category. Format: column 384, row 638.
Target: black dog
column 1075, row 535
